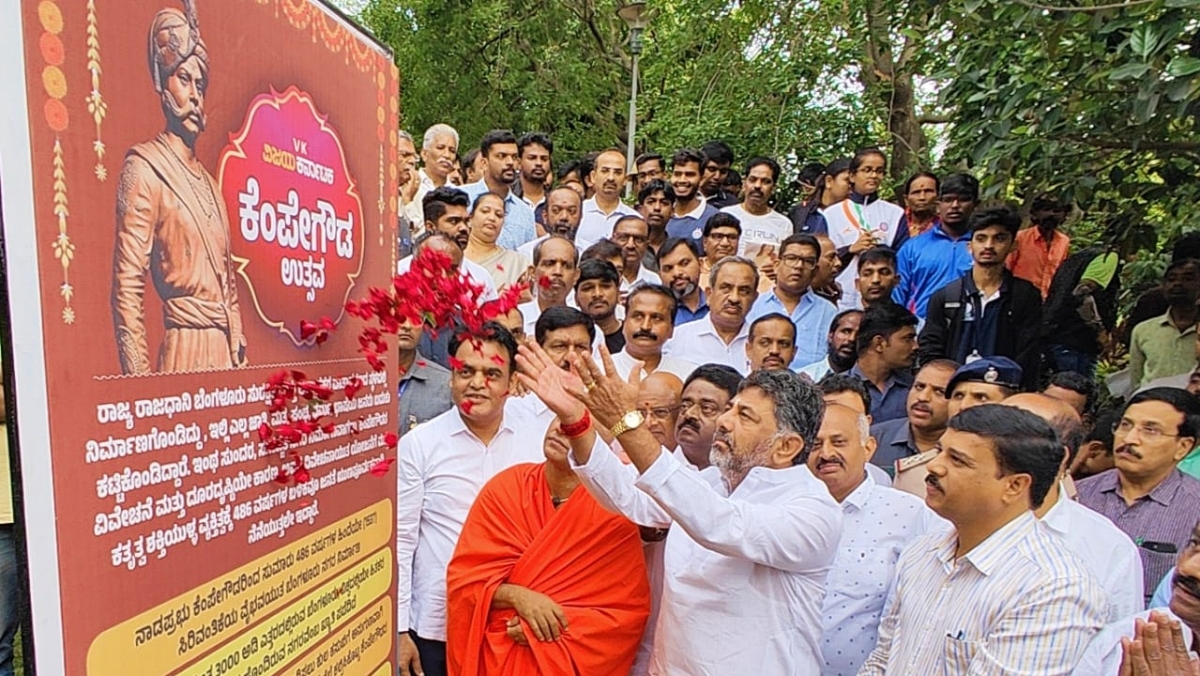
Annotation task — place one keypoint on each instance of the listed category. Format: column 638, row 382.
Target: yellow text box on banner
column 266, row 648
column 185, row 627
column 354, row 648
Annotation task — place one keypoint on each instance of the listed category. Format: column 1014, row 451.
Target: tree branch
column 934, row 119
column 1093, row 8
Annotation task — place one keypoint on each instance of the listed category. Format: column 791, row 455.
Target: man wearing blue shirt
column 691, row 211
column 499, row 149
column 792, row 298
column 937, row 257
column 887, row 347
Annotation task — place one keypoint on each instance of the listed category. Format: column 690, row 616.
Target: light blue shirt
column 812, row 318
column 519, row 225
column 1162, row 594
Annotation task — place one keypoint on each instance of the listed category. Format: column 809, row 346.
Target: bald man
column 658, row 400
column 602, row 210
column 1105, row 549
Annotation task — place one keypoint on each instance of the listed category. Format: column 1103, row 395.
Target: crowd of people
column 859, row 437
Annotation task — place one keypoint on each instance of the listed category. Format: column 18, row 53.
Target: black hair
column 734, row 178
column 1002, row 216
column 647, row 157
column 800, row 239
column 657, row 289
column 761, row 161
column 922, row 174
column 882, row 320
column 495, row 137
column 810, row 172
column 722, row 220
column 838, row 166
column 672, row 244
column 1181, row 400
column 603, row 249
column 567, row 168
column 720, row 375
column 468, row 158
column 657, row 185
column 1022, row 442
column 561, row 317
column 840, row 382
column 837, row 319
column 962, row 185
column 862, row 154
column 537, row 250
column 688, row 156
column 717, row 151
column 772, row 317
column 597, row 268
column 1102, row 429
column 480, row 197
column 490, row 332
column 534, row 138
column 877, row 254
column 1077, row 383
column 435, row 201
column 1181, row 263
column 798, row 404
column 1187, row 246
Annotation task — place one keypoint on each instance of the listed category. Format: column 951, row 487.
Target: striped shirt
column 1018, row 603
column 1165, row 516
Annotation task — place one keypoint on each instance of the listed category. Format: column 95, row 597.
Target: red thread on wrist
column 578, row 428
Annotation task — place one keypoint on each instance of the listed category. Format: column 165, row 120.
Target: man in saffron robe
column 544, row 580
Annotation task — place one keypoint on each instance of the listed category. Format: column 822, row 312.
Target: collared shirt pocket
column 957, row 654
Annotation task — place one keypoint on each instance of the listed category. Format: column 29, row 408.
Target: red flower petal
column 322, row 337
column 381, row 468
column 281, row 477
column 499, row 267
column 466, row 406
column 499, row 360
column 353, row 387
column 327, row 324
column 264, row 432
column 544, row 282
column 301, row 475
column 327, row 428
column 307, row 329
column 456, row 363
column 391, row 439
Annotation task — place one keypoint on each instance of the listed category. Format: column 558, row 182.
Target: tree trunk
column 889, row 81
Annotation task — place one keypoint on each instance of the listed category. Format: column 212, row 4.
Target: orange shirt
column 1035, row 259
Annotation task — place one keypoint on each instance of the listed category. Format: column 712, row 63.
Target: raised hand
column 554, row 386
column 1157, row 649
column 604, row 393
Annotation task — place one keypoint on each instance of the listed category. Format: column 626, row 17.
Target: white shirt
column 530, row 407
column 474, row 271
column 644, row 276
column 759, row 232
column 1105, row 549
column 699, row 343
column 530, row 312
column 1103, row 655
column 442, row 467
column 847, row 220
column 877, row 523
column 680, row 368
column 744, row 573
column 816, row 370
column 1018, row 603
column 527, row 248
column 595, row 225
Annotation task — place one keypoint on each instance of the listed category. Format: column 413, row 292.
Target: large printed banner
column 187, row 184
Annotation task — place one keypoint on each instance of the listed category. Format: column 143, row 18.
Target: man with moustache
column 561, row 331
column 439, row 150
column 597, row 292
column 706, row 395
column 939, row 255
column 722, row 233
column 1039, row 251
column 649, row 167
column 632, row 234
column 987, row 312
column 424, row 390
column 720, row 338
column 499, row 150
column 602, row 210
column 792, row 296
column 563, row 208
column 887, row 346
column 441, row 467
column 772, row 344
column 1108, row 553
column 658, row 400
column 692, row 211
column 1146, row 495
column 656, row 204
column 534, row 151
column 172, row 226
column 679, row 268
column 1167, row 345
column 928, row 409
column 649, row 325
column 990, row 380
column 1158, row 642
column 556, row 266
column 825, row 280
column 718, row 158
column 996, row 593
column 841, row 352
column 877, row 523
column 744, row 573
column 763, row 228
column 876, row 275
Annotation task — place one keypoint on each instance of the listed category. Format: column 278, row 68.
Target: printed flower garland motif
column 55, row 111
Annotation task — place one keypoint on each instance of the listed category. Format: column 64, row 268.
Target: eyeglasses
column 723, row 237
column 871, row 171
column 707, row 408
column 624, row 237
column 794, row 261
column 1124, row 427
column 659, row 412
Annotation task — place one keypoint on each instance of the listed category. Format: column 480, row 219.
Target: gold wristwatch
column 630, row 421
